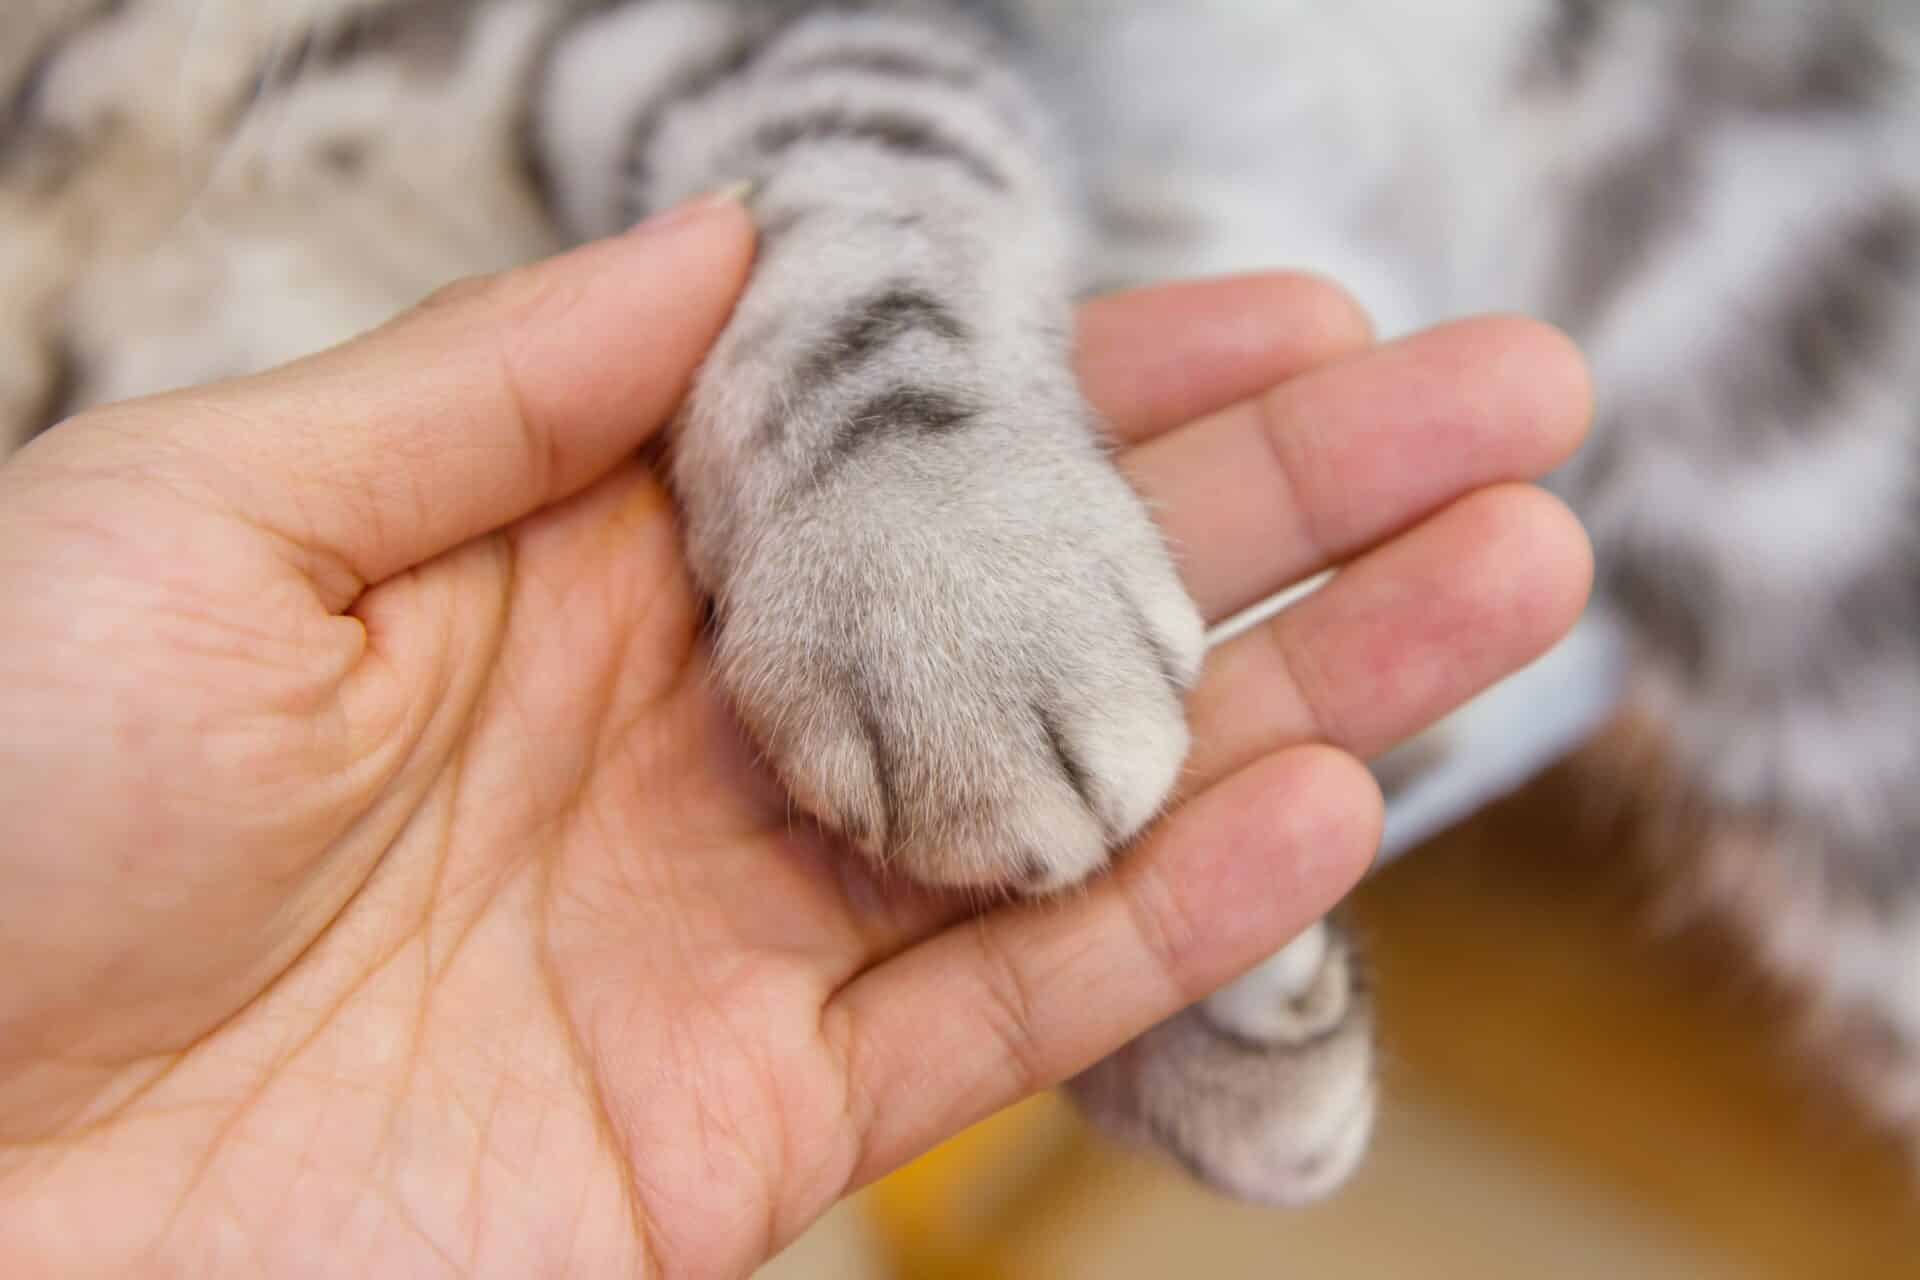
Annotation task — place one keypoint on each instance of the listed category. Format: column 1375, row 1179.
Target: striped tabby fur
column 886, row 457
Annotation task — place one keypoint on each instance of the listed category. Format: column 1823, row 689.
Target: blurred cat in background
column 1719, row 198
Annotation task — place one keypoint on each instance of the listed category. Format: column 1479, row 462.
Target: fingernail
column 687, row 211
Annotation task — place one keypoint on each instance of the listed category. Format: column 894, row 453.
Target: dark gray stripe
column 873, row 324
column 1878, row 611
column 1847, row 69
column 1847, row 319
column 1666, row 595
column 643, row 132
column 534, row 168
column 869, row 327
column 774, row 227
column 902, row 411
column 1843, row 66
column 901, row 133
column 995, row 18
column 1619, row 217
column 429, row 37
column 25, row 98
column 881, row 63
column 1567, row 46
column 23, row 105
column 1843, row 324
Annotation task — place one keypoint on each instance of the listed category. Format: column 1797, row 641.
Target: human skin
column 384, row 890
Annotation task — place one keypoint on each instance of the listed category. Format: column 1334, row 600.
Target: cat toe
column 1267, row 1095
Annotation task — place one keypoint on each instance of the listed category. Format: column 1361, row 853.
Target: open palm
column 389, row 892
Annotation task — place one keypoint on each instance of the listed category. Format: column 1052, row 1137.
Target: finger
column 1302, row 477
column 996, row 1008
column 1400, row 637
column 1152, row 359
column 492, row 400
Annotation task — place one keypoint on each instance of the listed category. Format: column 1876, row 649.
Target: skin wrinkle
column 1005, row 986
column 230, row 1125
column 718, row 1128
column 858, row 1106
column 319, row 1025
column 408, row 1085
column 396, row 1208
column 1307, row 680
column 189, row 1049
column 710, row 1132
column 72, row 1140
column 157, row 465
column 542, row 448
column 785, row 1165
column 1162, row 925
column 516, row 586
column 332, row 574
column 429, row 909
column 1289, row 461
column 606, row 1125
column 250, row 1239
column 572, row 1251
column 681, row 669
column 306, row 1165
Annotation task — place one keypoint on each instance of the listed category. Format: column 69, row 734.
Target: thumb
column 492, row 399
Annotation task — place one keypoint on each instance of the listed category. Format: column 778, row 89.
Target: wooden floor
column 1567, row 1096
column 1527, row 989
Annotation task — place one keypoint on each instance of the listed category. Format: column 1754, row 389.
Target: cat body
column 938, row 608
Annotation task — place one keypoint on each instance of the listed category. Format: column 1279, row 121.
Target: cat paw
column 963, row 645
column 1265, row 1090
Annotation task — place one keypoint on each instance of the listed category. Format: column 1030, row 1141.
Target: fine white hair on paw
column 944, row 617
column 1266, row 1089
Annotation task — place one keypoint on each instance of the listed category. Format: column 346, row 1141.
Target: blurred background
column 1571, row 1090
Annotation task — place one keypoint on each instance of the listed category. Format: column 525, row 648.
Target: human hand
column 384, row 890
